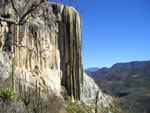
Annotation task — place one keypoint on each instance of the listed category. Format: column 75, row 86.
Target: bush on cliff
column 7, row 94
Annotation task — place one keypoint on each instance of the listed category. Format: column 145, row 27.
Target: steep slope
column 91, row 94
column 90, row 91
column 100, row 72
column 91, row 70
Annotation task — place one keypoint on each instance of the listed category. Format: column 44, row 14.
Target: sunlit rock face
column 5, row 66
column 47, row 48
column 71, row 51
column 91, row 94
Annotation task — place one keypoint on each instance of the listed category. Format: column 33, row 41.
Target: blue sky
column 115, row 31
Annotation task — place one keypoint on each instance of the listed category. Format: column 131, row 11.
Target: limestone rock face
column 90, row 93
column 47, row 48
column 5, row 66
column 11, row 107
column 72, row 51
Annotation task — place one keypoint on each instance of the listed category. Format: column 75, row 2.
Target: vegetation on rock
column 7, row 94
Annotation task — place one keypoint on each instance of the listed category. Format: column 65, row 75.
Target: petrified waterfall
column 72, row 51
column 48, row 47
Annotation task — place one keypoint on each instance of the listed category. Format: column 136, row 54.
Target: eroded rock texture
column 91, row 92
column 48, row 46
column 72, row 65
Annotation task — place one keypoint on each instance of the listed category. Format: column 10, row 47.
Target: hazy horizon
column 112, row 64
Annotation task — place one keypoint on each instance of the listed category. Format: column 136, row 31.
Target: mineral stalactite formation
column 47, row 47
column 72, row 77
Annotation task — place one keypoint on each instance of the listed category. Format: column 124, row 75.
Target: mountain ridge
column 118, row 66
column 91, row 69
column 129, row 65
column 129, row 83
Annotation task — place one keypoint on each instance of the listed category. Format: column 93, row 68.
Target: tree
column 24, row 13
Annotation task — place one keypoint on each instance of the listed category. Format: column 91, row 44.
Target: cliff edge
column 47, row 49
column 48, row 46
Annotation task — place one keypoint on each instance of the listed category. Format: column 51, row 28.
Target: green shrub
column 7, row 94
column 78, row 108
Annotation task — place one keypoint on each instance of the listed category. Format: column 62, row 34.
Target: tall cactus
column 13, row 75
column 97, row 96
column 37, row 105
column 24, row 96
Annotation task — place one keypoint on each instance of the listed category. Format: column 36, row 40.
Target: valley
column 127, row 81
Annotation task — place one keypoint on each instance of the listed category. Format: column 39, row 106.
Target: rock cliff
column 47, row 47
column 90, row 91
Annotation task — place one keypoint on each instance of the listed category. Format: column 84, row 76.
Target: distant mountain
column 129, row 65
column 91, row 69
column 118, row 67
column 100, row 72
column 128, row 81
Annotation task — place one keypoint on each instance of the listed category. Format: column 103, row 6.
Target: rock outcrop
column 5, row 66
column 91, row 94
column 47, row 47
